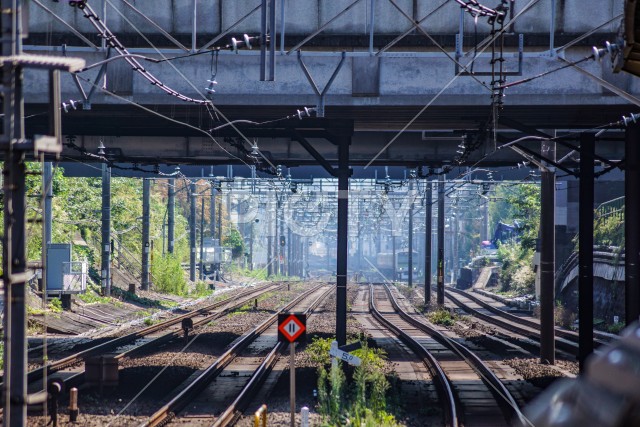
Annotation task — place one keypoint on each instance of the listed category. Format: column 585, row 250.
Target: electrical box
column 64, row 276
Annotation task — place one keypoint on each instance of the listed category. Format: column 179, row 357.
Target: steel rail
column 561, row 343
column 444, row 386
column 231, row 414
column 74, row 359
column 503, row 396
column 570, row 335
column 169, row 410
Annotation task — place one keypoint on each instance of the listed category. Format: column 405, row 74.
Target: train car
column 402, row 265
column 214, row 256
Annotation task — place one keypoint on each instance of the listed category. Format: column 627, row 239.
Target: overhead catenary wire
column 437, row 95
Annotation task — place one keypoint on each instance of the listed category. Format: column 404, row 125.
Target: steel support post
column 106, row 229
column 14, row 246
column 585, row 236
column 410, row 253
column 343, row 237
column 428, row 208
column 14, row 265
column 632, row 224
column 146, row 245
column 547, row 257
column 171, row 213
column 440, row 267
column 192, row 232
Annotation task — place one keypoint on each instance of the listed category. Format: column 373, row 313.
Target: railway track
column 142, row 339
column 243, row 367
column 478, row 395
column 566, row 341
column 492, row 305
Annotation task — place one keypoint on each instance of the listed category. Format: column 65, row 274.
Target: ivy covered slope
column 520, row 203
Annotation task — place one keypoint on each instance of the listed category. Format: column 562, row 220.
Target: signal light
column 283, row 242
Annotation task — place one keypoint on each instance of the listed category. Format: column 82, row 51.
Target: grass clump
column 201, row 290
column 364, row 403
column 92, row 296
column 442, row 317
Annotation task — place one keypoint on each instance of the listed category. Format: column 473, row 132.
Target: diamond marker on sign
column 291, row 327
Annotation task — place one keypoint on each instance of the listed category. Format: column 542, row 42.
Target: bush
column 366, row 404
column 442, row 317
column 517, row 272
column 168, row 275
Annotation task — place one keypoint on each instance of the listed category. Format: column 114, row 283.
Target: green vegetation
column 55, row 305
column 442, row 317
column 233, row 239
column 201, row 290
column 519, row 203
column 364, row 404
column 169, row 276
column 517, row 268
column 93, row 295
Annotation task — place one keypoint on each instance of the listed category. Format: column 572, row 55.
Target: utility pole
column 106, row 229
column 410, row 254
column 146, row 195
column 171, row 212
column 15, row 147
column 341, row 247
column 547, row 257
column 192, row 233
column 632, row 223
column 202, row 238
column 428, row 207
column 440, row 270
column 585, row 254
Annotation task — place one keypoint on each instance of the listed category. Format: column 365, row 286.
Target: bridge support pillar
column 585, row 236
column 632, row 224
column 547, row 257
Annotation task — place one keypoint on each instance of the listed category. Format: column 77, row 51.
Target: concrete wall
column 305, row 16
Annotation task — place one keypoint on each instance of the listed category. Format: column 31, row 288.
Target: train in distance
column 387, row 264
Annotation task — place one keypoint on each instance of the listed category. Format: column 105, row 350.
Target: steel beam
column 632, row 224
column 343, row 237
column 547, row 257
column 585, row 235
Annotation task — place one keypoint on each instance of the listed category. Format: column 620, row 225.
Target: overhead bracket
column 321, row 95
column 459, row 55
